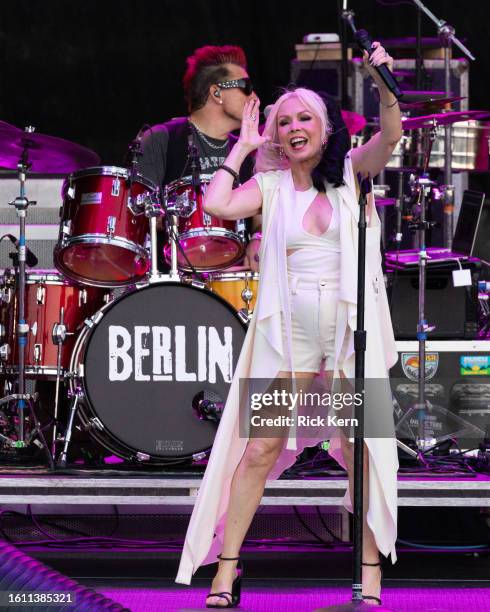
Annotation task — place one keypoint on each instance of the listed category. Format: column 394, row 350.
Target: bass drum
column 154, row 368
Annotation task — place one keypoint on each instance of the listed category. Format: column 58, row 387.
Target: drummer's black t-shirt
column 157, row 151
column 165, row 158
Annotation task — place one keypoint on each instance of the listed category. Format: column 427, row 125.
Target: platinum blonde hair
column 268, row 157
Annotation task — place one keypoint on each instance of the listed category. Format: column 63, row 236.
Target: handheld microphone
column 31, row 259
column 365, row 43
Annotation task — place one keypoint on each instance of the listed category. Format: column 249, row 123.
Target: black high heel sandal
column 372, row 597
column 233, row 598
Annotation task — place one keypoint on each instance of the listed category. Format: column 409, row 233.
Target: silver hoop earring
column 281, row 153
column 324, row 143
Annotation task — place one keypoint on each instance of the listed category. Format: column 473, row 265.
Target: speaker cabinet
column 453, row 310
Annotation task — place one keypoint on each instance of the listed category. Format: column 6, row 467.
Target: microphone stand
column 360, row 337
column 346, row 17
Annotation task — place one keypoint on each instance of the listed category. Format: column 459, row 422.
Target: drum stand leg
column 59, row 336
column 69, row 428
column 39, row 432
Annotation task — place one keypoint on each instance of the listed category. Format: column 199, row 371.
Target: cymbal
column 354, row 122
column 430, row 103
column 45, row 154
column 414, row 123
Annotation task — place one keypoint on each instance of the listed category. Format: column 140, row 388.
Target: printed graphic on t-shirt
column 211, row 162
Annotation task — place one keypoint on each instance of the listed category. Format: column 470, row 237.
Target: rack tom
column 206, row 242
column 104, row 231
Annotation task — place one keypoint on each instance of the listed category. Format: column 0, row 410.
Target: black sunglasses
column 244, row 84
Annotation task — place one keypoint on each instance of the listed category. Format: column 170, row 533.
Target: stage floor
column 261, row 596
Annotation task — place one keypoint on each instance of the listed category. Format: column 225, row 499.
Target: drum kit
column 143, row 359
column 106, row 320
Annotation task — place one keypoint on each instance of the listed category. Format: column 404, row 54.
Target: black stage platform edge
column 267, row 565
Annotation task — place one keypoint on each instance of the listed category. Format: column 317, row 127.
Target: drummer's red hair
column 206, row 66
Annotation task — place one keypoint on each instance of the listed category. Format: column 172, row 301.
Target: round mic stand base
column 357, row 606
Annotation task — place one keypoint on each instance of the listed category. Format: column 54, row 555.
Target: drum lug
column 197, row 284
column 41, row 294
column 82, row 297
column 244, row 315
column 66, row 229
column 116, row 187
column 34, row 328
column 4, row 352
column 95, row 422
column 5, row 296
column 38, row 353
column 206, row 219
column 198, row 456
column 2, row 330
column 142, row 456
column 94, row 319
column 111, row 226
column 247, row 295
column 70, row 192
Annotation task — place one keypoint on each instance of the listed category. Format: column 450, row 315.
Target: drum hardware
column 238, row 287
column 59, row 335
column 111, row 226
column 153, row 210
column 446, row 34
column 206, row 409
column 21, row 204
column 76, row 395
column 25, row 150
column 36, row 435
column 421, row 186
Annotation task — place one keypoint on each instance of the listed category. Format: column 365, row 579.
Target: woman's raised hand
column 378, row 56
column 249, row 133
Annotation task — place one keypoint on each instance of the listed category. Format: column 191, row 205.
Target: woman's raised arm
column 373, row 156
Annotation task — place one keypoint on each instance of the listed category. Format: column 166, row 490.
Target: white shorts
column 313, row 321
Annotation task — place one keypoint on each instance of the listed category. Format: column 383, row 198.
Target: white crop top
column 298, row 238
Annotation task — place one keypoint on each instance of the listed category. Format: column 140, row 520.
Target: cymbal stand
column 21, row 203
column 446, row 34
column 423, row 186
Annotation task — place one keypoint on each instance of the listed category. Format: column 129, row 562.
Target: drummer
column 216, row 87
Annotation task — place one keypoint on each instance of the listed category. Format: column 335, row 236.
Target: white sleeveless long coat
column 261, row 357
